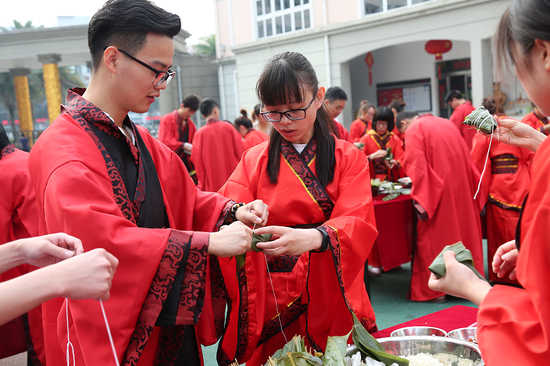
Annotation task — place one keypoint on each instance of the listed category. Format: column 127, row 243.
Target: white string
column 485, row 166
column 69, row 344
column 276, row 306
column 109, row 332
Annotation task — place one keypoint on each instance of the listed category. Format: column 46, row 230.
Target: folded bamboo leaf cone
column 463, row 255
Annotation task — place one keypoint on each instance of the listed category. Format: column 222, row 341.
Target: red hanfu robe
column 374, row 142
column 217, row 149
column 458, row 116
column 173, row 134
column 358, row 128
column 513, row 323
column 505, row 184
column 341, row 131
column 534, row 121
column 18, row 220
column 309, row 287
column 444, row 180
column 253, row 138
column 80, row 192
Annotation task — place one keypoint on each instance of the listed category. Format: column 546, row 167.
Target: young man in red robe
column 444, row 180
column 461, row 108
column 176, row 130
column 335, row 102
column 101, row 178
column 217, row 148
column 18, row 220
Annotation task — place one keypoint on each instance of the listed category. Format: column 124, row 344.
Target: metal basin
column 418, row 331
column 465, row 334
column 410, row 346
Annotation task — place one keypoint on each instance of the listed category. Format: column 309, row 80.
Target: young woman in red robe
column 360, row 126
column 505, row 183
column 378, row 141
column 514, row 323
column 322, row 221
column 251, row 136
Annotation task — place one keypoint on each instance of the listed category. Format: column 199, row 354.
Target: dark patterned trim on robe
column 287, row 316
column 421, row 213
column 7, row 150
column 300, row 166
column 504, row 163
column 179, row 246
column 83, row 111
column 378, row 164
column 503, row 205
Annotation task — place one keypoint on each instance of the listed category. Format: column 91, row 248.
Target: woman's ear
column 543, row 48
column 320, row 96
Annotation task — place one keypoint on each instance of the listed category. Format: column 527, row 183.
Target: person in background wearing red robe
column 505, row 183
column 537, row 120
column 320, row 214
column 108, row 182
column 378, row 141
column 397, row 106
column 361, row 125
column 217, row 148
column 251, row 136
column 18, row 220
column 176, row 130
column 335, row 102
column 461, row 108
column 513, row 323
column 445, row 180
column 259, row 123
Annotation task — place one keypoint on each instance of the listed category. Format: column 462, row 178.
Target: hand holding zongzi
column 459, row 281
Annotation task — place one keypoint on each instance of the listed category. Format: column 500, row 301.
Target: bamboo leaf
column 259, row 238
column 463, row 255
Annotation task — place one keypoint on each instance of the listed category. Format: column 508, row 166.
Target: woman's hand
column 48, row 249
column 459, row 281
column 516, row 133
column 378, row 154
column 505, row 258
column 253, row 213
column 289, row 241
column 231, row 240
column 86, row 276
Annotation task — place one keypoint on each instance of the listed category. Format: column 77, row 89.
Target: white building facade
column 337, row 35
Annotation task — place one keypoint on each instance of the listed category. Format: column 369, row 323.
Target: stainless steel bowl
column 418, row 331
column 410, row 346
column 465, row 334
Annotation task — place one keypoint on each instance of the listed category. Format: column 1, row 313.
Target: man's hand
column 253, row 213
column 231, row 240
column 49, row 249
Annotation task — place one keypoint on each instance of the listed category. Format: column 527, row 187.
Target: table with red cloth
column 395, row 221
column 458, row 316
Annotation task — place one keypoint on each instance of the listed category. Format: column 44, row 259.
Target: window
column 376, row 6
column 275, row 17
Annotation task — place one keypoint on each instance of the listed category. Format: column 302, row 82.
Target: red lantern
column 438, row 48
column 370, row 61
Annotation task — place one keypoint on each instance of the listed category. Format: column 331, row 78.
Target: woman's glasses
column 293, row 114
column 160, row 76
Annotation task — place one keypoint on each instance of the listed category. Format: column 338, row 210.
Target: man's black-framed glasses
column 293, row 114
column 160, row 76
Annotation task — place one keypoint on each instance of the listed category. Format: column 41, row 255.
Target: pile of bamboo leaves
column 295, row 353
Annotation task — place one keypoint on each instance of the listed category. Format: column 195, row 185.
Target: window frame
column 274, row 14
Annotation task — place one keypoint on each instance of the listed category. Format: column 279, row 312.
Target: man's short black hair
column 125, row 24
column 207, row 106
column 192, row 102
column 335, row 93
column 404, row 115
column 453, row 94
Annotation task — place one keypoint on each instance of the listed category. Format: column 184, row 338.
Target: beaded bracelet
column 234, row 209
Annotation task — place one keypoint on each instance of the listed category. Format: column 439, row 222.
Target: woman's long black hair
column 285, row 80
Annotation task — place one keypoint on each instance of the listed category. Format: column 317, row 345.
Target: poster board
column 416, row 93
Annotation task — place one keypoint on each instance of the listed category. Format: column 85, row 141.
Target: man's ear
column 110, row 59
